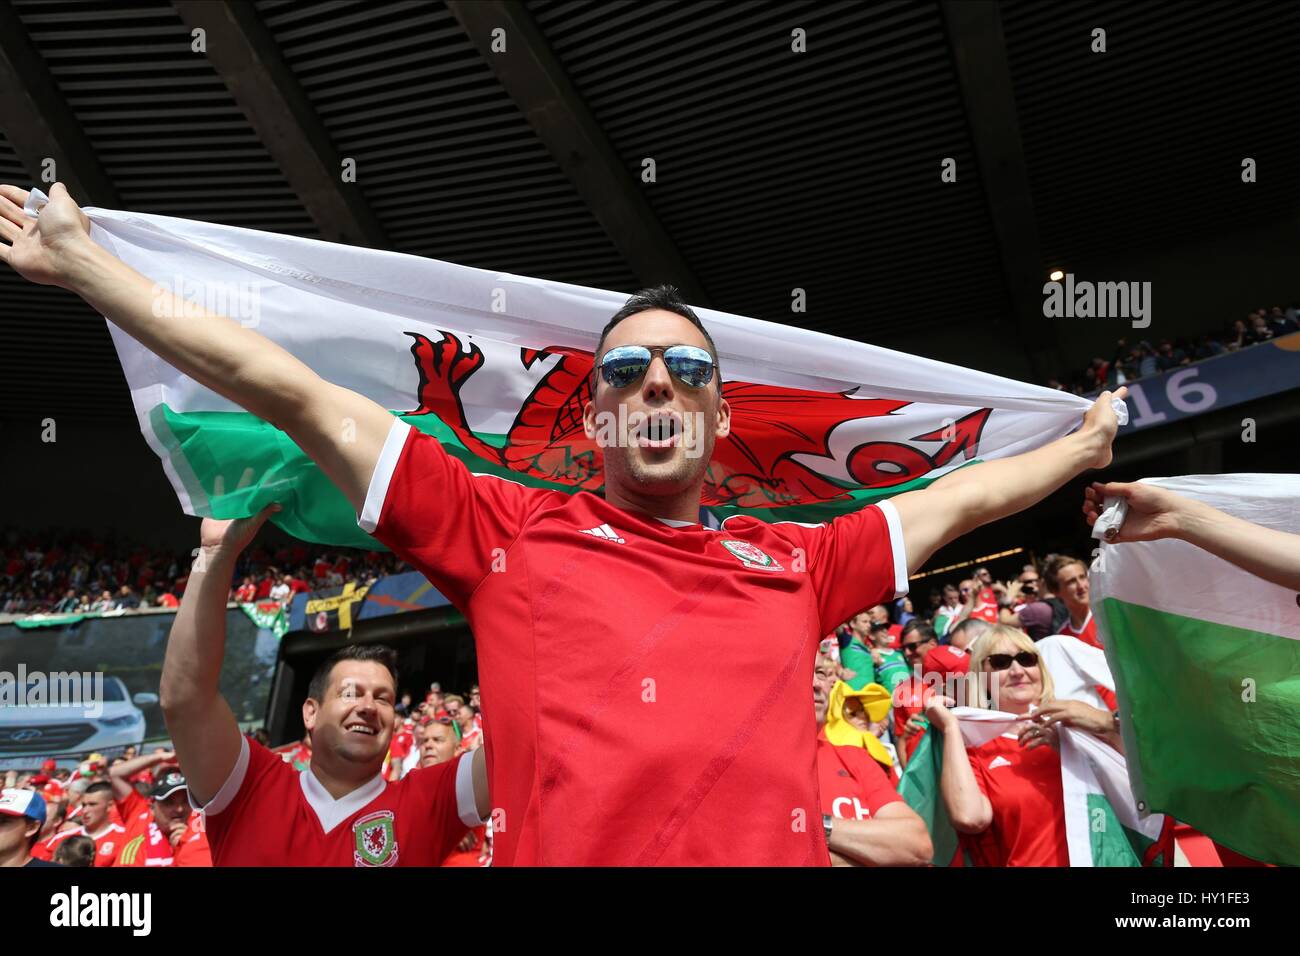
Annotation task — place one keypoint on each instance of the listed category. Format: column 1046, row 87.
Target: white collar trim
column 676, row 522
column 331, row 812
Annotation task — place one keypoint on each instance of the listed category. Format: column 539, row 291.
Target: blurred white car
column 28, row 735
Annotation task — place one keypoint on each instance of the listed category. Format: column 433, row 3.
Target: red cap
column 50, row 765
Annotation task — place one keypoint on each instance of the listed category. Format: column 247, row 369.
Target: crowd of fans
column 133, row 810
column 892, row 673
column 874, row 696
column 1133, row 361
column 67, row 573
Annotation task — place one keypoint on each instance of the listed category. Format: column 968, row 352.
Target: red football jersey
column 108, row 843
column 147, row 845
column 401, row 743
column 1087, row 633
column 1024, row 789
column 268, row 814
column 910, row 698
column 143, row 839
column 853, row 785
column 598, row 758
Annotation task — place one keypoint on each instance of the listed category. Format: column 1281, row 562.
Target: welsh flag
column 268, row 615
column 1206, row 660
column 1104, row 823
column 496, row 367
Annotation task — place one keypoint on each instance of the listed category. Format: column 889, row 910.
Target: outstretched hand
column 1102, row 423
column 231, row 536
column 39, row 249
column 1153, row 513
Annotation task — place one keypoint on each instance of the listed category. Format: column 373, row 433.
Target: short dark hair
column 923, row 630
column 100, row 787
column 75, row 851
column 975, row 624
column 665, row 297
column 379, row 653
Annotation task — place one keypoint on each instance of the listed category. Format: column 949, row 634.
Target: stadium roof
column 774, row 169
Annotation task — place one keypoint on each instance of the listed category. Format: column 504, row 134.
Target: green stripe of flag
column 1213, row 711
column 239, row 464
column 233, row 464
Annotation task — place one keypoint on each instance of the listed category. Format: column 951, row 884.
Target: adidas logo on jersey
column 999, row 762
column 606, row 532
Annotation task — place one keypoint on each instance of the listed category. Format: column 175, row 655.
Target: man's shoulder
column 424, row 777
column 131, row 805
column 62, row 835
column 863, row 766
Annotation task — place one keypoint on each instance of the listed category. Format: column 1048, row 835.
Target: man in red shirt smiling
column 597, row 759
column 340, row 811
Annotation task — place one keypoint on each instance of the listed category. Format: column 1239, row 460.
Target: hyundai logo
column 18, row 736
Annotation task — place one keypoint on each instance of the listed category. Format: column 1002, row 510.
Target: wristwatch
column 827, row 822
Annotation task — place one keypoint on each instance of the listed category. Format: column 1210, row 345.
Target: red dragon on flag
column 753, row 467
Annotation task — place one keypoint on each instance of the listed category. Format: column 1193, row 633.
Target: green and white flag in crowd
column 268, row 615
column 1103, row 823
column 496, row 366
column 1206, row 660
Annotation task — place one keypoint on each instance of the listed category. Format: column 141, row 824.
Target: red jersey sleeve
column 449, row 524
column 856, row 561
column 251, row 784
column 444, row 796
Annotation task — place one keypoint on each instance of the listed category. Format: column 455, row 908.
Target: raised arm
column 482, row 801
column 119, row 775
column 1156, row 512
column 343, row 432
column 973, row 496
column 203, row 728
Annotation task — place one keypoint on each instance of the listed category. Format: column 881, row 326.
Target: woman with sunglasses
column 1005, row 797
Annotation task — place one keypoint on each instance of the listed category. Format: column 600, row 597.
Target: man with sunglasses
column 1029, row 586
column 602, row 743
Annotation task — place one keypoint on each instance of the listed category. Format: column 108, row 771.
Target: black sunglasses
column 625, row 365
column 1000, row 662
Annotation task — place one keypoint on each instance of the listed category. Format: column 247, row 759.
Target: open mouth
column 365, row 729
column 660, row 430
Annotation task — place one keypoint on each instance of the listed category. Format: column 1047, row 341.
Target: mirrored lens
column 691, row 365
column 625, row 364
